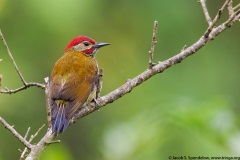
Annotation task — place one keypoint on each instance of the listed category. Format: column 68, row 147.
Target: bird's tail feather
column 59, row 119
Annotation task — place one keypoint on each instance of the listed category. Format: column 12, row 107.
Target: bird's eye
column 86, row 43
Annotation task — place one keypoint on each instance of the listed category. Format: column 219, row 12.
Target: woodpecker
column 73, row 81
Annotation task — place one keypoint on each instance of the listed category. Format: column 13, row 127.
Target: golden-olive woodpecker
column 73, row 81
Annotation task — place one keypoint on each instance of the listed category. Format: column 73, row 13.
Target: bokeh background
column 191, row 109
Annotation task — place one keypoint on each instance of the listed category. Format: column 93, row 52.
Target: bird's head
column 85, row 45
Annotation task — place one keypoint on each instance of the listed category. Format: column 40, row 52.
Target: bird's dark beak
column 99, row 45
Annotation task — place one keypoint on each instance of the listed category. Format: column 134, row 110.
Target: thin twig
column 154, row 41
column 218, row 15
column 237, row 17
column 233, row 18
column 30, row 140
column 230, row 8
column 205, row 11
column 39, row 148
column 13, row 61
column 51, row 142
column 25, row 137
column 26, row 85
column 30, row 84
column 15, row 133
column 184, row 47
column 20, row 150
column 99, row 83
column 35, row 135
column 236, row 7
column 25, row 149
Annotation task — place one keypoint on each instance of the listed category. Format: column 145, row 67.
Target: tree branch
column 26, row 85
column 15, row 133
column 154, row 41
column 230, row 8
column 236, row 7
column 132, row 83
column 30, row 140
column 25, row 149
column 205, row 11
column 218, row 15
column 39, row 148
column 30, row 84
column 13, row 61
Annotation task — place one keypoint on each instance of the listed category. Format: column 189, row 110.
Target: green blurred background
column 191, row 109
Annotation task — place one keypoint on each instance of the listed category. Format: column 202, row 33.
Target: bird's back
column 73, row 81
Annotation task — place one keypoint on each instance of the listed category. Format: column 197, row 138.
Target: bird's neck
column 73, row 51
